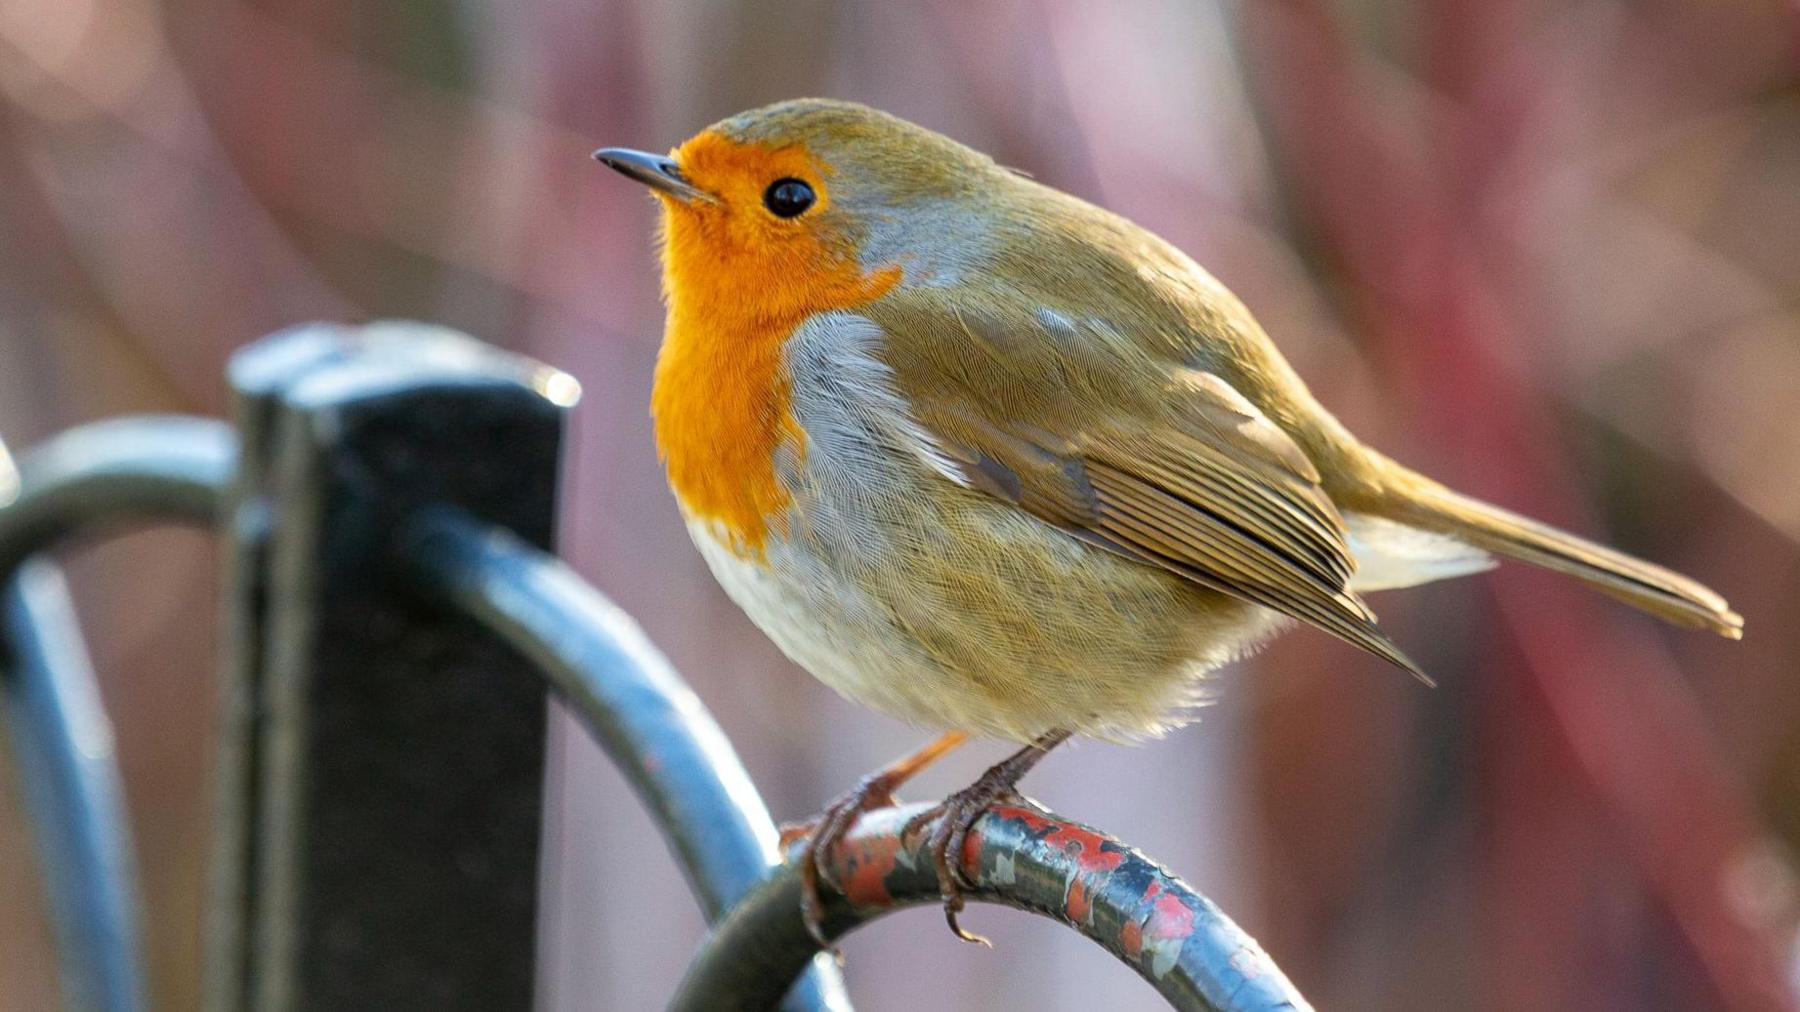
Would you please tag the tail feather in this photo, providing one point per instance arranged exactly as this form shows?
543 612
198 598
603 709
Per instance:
1661 592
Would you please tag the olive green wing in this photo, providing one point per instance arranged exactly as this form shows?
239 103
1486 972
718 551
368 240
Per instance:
1164 464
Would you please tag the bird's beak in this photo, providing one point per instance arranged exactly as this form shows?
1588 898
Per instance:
659 172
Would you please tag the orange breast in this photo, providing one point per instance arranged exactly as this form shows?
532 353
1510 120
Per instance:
722 401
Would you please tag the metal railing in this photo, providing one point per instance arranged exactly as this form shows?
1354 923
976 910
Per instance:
395 616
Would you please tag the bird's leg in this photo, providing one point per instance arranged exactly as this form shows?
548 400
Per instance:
837 820
959 811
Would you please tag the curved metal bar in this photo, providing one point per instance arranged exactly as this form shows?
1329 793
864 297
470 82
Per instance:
646 718
62 744
125 469
108 472
1176 939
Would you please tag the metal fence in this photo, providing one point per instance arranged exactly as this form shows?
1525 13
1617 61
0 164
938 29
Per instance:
395 619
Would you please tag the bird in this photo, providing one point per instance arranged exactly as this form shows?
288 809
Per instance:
1000 463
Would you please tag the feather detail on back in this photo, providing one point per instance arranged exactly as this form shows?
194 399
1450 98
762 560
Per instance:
1173 468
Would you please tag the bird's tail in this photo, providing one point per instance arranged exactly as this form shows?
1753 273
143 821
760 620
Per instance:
1416 501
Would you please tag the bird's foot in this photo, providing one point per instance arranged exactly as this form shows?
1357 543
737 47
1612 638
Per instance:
822 835
950 822
952 818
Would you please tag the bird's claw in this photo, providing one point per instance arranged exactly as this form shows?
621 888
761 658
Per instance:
791 833
950 823
822 836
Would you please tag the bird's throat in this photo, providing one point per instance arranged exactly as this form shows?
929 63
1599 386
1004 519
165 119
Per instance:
722 401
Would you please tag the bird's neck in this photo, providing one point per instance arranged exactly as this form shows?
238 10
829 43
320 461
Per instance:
722 402
721 405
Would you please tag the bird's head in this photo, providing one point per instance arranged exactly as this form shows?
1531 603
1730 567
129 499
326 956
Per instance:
804 205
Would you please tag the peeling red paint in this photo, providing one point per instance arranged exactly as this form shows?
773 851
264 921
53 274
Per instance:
1171 918
1087 847
1131 936
1032 819
1077 905
863 864
971 853
1131 939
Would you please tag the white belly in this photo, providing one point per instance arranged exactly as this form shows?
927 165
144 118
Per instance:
1106 648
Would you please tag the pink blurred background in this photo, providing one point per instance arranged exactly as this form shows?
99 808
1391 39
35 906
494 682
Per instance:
1548 251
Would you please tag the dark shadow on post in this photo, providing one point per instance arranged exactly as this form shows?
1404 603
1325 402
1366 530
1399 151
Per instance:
394 756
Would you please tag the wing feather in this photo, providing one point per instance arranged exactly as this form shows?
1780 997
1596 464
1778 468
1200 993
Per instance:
1154 460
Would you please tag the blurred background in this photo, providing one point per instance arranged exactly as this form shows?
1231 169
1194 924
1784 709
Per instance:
1547 250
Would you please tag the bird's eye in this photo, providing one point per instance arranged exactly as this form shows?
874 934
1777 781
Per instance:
786 198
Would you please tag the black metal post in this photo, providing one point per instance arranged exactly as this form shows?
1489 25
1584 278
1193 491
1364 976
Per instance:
396 754
258 374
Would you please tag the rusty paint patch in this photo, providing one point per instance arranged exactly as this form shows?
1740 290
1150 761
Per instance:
1171 918
1033 820
863 864
970 857
1093 853
1078 906
1131 939
1170 923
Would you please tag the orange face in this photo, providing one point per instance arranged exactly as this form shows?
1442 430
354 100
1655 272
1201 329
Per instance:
743 244
740 274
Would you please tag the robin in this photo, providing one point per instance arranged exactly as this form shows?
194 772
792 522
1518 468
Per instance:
995 461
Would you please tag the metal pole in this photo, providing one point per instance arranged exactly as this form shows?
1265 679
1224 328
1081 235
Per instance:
398 751
62 747
1026 858
97 476
652 725
140 470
